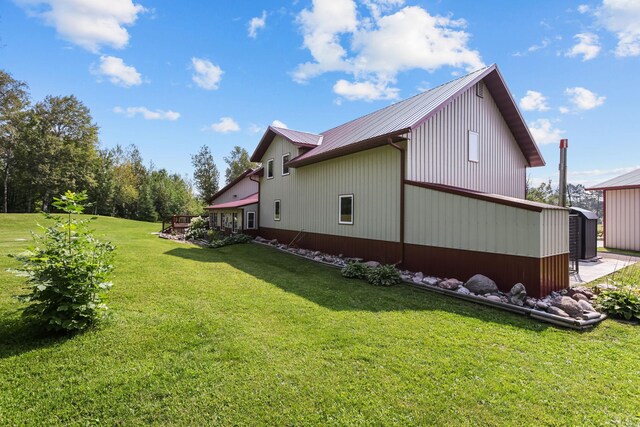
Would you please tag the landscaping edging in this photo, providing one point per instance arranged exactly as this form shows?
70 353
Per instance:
567 322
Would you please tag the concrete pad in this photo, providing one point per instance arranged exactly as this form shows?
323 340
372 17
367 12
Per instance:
606 264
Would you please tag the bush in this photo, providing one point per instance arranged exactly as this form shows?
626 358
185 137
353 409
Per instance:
231 240
67 271
197 228
383 275
622 302
355 270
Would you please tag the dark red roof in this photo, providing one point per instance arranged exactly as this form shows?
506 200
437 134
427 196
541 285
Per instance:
249 200
301 139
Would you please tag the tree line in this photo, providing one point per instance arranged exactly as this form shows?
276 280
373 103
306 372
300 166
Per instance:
577 196
52 146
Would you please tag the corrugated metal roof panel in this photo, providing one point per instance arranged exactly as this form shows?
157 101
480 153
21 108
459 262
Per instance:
630 179
249 200
298 137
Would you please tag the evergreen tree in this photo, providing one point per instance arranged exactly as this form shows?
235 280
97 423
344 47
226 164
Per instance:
205 174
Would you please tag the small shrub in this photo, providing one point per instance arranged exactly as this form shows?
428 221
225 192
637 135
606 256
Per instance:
384 275
355 270
213 235
622 302
197 228
66 271
231 240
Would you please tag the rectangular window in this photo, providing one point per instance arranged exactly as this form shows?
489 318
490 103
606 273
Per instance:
276 210
269 168
251 220
474 149
234 224
285 168
346 209
215 219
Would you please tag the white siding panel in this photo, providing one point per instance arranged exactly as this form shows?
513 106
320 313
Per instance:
435 218
242 189
438 149
623 219
554 232
309 195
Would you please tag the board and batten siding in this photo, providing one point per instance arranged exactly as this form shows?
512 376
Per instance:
622 222
240 190
438 150
440 219
309 195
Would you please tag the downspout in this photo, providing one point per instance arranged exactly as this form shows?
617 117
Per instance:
257 225
402 180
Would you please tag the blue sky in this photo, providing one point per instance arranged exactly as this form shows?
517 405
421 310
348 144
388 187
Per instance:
172 76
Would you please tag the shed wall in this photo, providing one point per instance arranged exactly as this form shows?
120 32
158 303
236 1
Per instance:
242 189
309 195
435 218
438 149
554 232
622 222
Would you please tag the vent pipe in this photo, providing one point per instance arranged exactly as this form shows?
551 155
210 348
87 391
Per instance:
562 189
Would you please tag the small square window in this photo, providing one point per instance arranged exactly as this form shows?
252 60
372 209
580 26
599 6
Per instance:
346 209
276 210
474 149
285 168
269 168
251 220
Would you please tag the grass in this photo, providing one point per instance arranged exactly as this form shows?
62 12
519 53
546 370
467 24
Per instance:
247 335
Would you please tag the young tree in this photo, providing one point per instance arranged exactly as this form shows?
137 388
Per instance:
238 162
205 174
14 99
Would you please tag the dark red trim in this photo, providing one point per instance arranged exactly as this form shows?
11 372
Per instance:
493 198
620 187
366 144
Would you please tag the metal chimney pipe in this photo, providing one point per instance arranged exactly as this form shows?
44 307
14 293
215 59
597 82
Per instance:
562 189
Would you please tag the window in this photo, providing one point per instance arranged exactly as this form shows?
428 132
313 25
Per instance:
269 168
234 224
276 210
346 209
251 220
474 149
214 224
285 168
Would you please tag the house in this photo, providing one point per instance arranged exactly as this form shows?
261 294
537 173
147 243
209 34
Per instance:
234 208
621 202
434 183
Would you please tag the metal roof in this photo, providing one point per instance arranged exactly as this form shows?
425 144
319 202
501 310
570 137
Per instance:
249 200
584 212
400 118
304 139
628 180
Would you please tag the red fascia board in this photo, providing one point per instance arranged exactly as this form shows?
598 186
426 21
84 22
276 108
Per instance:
493 198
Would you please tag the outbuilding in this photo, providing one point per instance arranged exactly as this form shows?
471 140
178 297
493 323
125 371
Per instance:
621 202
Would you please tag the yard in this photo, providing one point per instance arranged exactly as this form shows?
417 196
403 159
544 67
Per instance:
247 335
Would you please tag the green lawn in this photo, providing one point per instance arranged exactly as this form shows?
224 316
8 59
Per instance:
247 335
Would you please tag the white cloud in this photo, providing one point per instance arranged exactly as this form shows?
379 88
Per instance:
206 75
588 46
584 99
381 45
540 46
367 90
148 114
564 110
622 17
257 23
225 125
583 8
118 73
254 128
534 101
543 132
277 123
90 24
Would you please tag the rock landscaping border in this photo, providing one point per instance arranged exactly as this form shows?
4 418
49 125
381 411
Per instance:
570 308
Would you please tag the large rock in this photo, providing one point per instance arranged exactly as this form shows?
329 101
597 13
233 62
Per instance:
557 311
586 306
568 305
429 280
480 284
372 264
450 284
518 294
580 290
494 298
464 291
580 297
